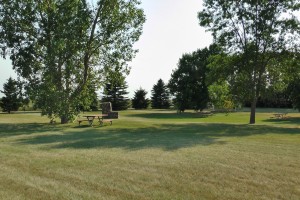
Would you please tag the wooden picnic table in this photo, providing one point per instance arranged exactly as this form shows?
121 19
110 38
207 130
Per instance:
280 115
91 118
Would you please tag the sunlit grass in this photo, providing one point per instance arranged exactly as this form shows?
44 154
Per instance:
152 154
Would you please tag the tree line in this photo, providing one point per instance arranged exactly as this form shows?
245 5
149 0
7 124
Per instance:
192 86
66 50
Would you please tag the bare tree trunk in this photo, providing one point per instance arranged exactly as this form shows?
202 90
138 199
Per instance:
253 109
64 120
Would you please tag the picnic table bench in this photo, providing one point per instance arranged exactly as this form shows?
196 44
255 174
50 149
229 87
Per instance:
107 115
82 120
91 118
280 115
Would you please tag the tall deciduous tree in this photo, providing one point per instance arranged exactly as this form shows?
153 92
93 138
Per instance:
13 97
188 81
294 90
160 95
292 77
256 32
62 46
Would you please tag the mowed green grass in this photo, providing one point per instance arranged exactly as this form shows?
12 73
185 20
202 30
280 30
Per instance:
152 154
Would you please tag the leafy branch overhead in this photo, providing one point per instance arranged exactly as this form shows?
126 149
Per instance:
63 47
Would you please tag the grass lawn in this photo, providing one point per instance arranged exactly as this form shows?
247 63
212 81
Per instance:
152 154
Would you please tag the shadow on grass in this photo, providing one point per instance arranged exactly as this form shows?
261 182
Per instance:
288 120
167 136
19 112
7 130
170 115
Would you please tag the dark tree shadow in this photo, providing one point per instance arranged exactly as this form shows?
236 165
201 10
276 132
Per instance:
7 130
169 115
287 120
167 136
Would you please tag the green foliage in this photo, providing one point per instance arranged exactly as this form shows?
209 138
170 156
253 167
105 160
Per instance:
188 81
89 99
220 96
291 78
160 95
294 90
95 103
63 47
223 70
253 34
13 96
115 91
139 100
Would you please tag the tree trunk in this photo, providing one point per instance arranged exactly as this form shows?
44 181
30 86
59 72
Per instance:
64 120
252 113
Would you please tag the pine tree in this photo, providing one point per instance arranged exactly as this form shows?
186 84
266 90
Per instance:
12 99
116 92
160 96
139 100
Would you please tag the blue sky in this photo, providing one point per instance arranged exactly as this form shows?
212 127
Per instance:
171 30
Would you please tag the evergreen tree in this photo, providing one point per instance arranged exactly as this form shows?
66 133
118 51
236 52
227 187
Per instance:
139 100
13 98
160 95
116 91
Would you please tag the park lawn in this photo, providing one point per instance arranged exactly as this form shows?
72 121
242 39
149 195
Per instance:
152 154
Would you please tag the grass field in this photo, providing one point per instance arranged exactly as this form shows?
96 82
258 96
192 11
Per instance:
152 154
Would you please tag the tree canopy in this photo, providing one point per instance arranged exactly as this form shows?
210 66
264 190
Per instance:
61 47
254 34
188 81
291 78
